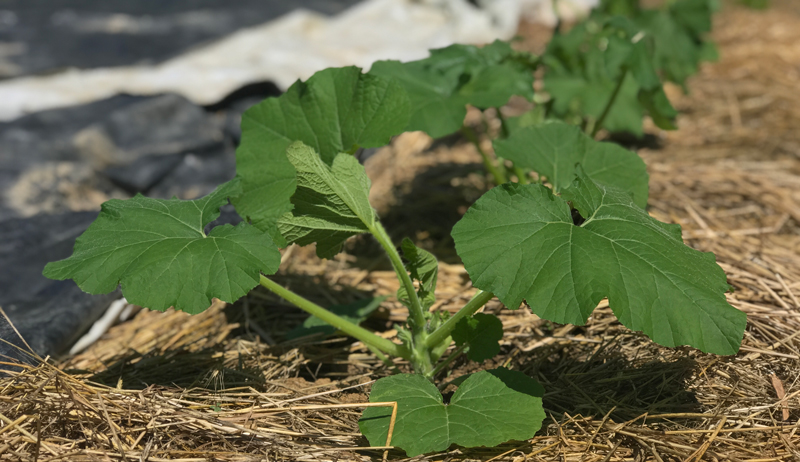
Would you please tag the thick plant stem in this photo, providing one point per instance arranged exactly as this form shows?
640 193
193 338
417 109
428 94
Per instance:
497 174
336 321
416 311
437 336
601 120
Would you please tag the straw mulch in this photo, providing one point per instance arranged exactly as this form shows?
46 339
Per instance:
224 385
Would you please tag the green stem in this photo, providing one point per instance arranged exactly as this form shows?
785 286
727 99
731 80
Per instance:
497 174
385 359
449 359
420 354
438 336
600 121
522 175
415 310
504 131
336 321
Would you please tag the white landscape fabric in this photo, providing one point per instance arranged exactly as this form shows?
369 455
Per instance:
290 48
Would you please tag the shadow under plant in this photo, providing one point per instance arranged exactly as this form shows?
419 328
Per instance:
244 344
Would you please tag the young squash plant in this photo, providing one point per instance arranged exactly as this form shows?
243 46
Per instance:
561 245
679 30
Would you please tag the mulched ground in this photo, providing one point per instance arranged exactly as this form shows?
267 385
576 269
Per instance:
168 386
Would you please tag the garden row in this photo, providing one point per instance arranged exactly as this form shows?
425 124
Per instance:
564 228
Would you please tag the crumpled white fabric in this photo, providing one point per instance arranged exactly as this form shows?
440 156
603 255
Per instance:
290 48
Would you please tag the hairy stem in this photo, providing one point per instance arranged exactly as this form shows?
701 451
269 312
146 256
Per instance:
416 311
600 121
336 321
440 334
497 174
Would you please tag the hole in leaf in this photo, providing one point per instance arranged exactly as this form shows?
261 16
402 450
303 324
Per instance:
446 397
577 219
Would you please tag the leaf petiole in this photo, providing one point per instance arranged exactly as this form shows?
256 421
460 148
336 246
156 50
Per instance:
601 120
488 163
439 335
416 311
336 321
455 354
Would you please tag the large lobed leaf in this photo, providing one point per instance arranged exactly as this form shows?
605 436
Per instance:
489 408
336 110
159 252
520 243
553 149
442 85
331 203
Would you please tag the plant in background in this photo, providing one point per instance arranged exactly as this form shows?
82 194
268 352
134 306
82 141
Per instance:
561 245
604 73
601 75
678 29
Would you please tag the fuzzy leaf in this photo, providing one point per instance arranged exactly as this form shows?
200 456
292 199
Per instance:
442 85
158 251
331 203
489 408
520 242
423 268
553 149
481 332
336 110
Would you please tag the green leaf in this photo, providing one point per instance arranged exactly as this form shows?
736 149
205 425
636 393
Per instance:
481 332
519 242
442 85
356 312
424 268
694 15
331 202
158 251
489 408
659 108
530 118
553 149
336 110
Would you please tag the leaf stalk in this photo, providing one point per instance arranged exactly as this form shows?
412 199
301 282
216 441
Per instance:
600 121
441 366
336 321
439 335
497 174
416 311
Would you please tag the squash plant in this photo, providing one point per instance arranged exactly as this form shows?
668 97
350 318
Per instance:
561 245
